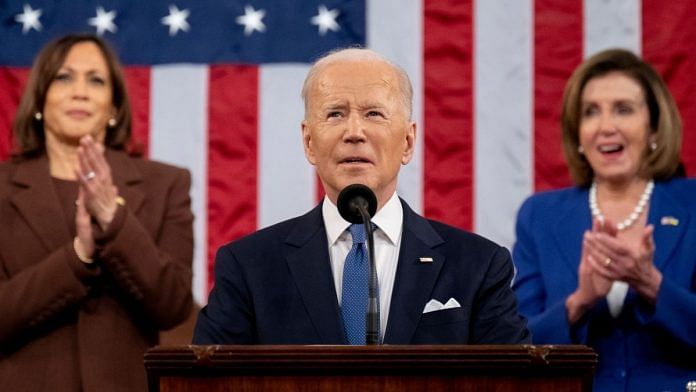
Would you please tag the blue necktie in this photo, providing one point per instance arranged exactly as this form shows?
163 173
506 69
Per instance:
354 296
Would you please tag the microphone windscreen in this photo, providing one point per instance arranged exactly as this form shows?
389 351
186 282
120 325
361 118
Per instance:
351 198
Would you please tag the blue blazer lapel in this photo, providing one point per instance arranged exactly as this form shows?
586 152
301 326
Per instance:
570 227
308 261
414 280
670 219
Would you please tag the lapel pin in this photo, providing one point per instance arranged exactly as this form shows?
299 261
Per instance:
425 259
669 221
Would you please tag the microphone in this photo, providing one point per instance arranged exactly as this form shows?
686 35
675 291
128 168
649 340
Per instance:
358 204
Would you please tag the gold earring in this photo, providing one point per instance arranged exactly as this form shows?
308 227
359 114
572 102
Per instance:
112 122
38 116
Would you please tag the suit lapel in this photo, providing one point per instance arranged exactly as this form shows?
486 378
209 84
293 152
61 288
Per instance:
308 261
670 219
570 227
38 203
414 280
127 178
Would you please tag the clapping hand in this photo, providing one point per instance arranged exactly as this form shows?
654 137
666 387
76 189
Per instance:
96 183
96 196
615 258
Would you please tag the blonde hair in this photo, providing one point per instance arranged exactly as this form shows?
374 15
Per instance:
665 122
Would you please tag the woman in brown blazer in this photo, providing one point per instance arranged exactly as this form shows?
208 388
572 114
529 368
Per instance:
95 245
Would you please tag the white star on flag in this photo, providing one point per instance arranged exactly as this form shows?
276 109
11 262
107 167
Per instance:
104 21
252 20
176 20
326 20
29 19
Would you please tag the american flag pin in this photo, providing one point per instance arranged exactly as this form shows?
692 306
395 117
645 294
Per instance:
669 221
425 259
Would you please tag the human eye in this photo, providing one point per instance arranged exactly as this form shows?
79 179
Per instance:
624 109
590 110
63 77
334 114
375 113
97 80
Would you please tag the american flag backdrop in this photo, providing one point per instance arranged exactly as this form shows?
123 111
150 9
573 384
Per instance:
215 84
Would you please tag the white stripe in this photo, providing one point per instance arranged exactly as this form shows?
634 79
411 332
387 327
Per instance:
611 24
395 29
503 137
179 135
286 180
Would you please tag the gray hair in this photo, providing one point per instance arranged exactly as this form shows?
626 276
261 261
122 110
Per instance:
359 55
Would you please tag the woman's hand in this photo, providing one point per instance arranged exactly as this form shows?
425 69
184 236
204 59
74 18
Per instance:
96 183
591 285
617 259
84 241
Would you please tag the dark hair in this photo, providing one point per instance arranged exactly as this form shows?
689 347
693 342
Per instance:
665 123
29 132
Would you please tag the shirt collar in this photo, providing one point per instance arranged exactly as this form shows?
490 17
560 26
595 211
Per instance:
389 219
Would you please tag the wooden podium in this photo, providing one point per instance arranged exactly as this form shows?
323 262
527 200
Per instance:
370 368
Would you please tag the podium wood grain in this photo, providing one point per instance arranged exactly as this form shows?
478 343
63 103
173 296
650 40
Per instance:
370 368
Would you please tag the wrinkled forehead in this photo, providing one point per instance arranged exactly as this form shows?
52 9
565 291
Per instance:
356 78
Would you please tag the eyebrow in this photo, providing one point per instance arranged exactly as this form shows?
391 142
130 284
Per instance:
89 71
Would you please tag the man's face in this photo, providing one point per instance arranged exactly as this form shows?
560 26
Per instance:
356 129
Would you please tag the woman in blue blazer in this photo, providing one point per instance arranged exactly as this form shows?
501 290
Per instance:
611 263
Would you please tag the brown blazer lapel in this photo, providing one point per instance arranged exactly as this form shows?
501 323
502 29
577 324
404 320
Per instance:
128 178
37 202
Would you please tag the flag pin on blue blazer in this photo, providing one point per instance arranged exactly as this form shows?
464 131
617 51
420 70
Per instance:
669 221
425 259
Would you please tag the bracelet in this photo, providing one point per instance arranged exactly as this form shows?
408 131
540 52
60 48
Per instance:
83 259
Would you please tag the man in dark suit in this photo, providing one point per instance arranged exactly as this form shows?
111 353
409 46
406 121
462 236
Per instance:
290 283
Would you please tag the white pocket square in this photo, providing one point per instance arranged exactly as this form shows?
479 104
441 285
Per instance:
434 305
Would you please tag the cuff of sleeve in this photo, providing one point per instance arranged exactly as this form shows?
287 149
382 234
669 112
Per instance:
645 311
81 270
103 236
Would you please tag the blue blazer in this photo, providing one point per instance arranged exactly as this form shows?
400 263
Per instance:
276 287
646 348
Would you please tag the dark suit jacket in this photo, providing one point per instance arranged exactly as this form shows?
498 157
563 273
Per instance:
647 348
276 287
66 326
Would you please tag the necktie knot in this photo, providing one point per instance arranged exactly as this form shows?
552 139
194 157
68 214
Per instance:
357 231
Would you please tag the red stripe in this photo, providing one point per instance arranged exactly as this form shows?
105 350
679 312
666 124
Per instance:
448 111
138 85
669 34
232 155
12 81
558 28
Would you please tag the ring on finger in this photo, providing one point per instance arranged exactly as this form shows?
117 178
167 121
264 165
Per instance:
607 261
90 176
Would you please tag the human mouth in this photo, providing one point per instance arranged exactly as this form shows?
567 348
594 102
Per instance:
355 160
78 114
610 149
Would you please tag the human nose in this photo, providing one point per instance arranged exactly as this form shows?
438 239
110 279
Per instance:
79 88
607 123
355 129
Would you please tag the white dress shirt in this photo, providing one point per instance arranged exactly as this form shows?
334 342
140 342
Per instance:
389 220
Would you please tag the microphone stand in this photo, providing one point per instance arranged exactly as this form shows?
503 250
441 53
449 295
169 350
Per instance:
372 315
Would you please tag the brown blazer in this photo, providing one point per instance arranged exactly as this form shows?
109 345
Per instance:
65 326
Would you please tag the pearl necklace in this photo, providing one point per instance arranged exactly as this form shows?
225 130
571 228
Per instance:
626 223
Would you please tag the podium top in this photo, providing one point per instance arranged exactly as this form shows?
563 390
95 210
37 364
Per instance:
418 359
